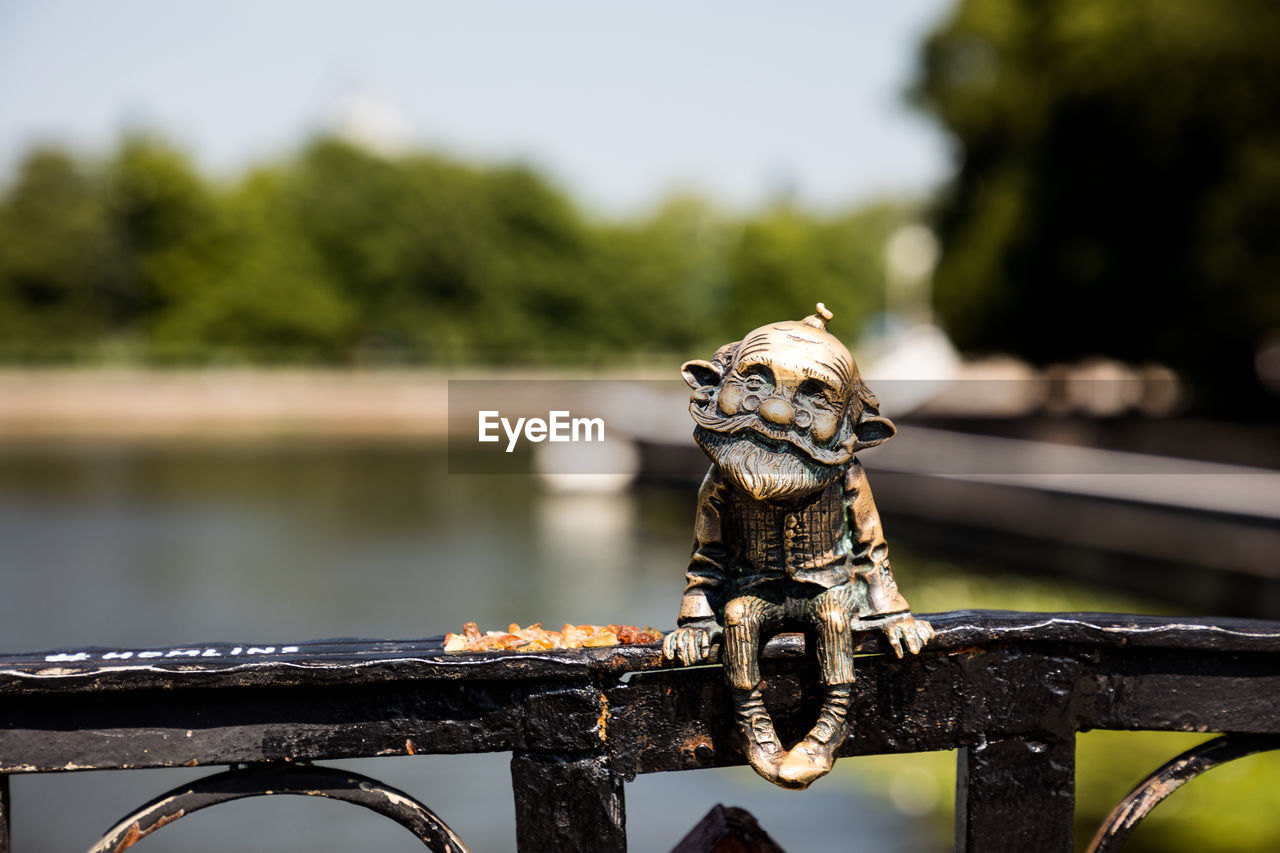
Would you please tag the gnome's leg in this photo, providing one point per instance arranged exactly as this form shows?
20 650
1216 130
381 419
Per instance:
831 612
743 620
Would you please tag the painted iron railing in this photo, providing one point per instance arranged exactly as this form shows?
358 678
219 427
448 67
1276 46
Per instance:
1008 690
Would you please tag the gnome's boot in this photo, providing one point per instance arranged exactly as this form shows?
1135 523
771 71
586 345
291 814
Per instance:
762 747
812 757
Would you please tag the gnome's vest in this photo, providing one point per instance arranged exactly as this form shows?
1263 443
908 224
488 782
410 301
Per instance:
807 540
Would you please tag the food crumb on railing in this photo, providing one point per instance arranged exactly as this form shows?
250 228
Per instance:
537 639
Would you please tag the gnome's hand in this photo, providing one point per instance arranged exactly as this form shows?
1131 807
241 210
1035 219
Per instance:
910 632
691 643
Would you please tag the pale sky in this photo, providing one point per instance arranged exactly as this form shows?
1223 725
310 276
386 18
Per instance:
620 103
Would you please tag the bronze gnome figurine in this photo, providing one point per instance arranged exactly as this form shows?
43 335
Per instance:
787 534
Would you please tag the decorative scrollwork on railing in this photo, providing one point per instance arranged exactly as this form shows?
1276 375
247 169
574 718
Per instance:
1153 790
268 780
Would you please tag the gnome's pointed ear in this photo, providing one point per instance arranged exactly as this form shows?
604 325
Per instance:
699 373
872 430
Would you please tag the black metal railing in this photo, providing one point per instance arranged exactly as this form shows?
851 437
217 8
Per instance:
1008 690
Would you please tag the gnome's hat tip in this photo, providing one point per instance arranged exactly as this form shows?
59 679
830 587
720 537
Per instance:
819 318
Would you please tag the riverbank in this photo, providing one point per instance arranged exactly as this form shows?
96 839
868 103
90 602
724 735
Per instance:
232 404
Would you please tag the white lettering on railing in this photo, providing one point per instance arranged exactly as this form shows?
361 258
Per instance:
204 652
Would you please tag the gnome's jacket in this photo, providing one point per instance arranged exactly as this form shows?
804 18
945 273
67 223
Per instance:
826 539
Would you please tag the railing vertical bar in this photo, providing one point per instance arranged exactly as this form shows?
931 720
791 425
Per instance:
567 802
1015 795
5 807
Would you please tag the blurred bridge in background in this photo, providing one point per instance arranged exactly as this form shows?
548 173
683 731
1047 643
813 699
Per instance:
1202 535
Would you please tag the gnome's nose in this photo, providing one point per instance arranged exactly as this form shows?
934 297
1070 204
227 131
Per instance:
778 411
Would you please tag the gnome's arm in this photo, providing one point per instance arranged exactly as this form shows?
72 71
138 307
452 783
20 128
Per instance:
870 556
705 582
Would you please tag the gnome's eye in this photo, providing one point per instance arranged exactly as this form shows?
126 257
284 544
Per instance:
819 392
757 378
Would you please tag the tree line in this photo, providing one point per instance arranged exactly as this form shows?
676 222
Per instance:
1116 193
336 255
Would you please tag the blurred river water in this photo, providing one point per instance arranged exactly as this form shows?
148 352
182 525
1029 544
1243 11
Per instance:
131 545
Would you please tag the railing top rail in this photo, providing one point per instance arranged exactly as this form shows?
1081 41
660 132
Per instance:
1009 690
355 661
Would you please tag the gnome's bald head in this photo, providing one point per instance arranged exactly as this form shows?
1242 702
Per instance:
782 411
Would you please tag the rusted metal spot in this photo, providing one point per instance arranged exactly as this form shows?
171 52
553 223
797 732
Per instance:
698 748
602 722
136 833
132 837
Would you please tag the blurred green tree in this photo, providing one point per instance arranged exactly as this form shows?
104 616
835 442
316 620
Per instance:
62 279
441 261
656 284
536 303
170 228
340 255
1118 184
266 298
787 259
403 242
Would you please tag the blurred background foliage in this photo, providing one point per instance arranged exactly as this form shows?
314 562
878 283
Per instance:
1118 183
340 256
1116 191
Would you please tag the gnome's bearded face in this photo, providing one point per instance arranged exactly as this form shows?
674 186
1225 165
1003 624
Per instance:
782 411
